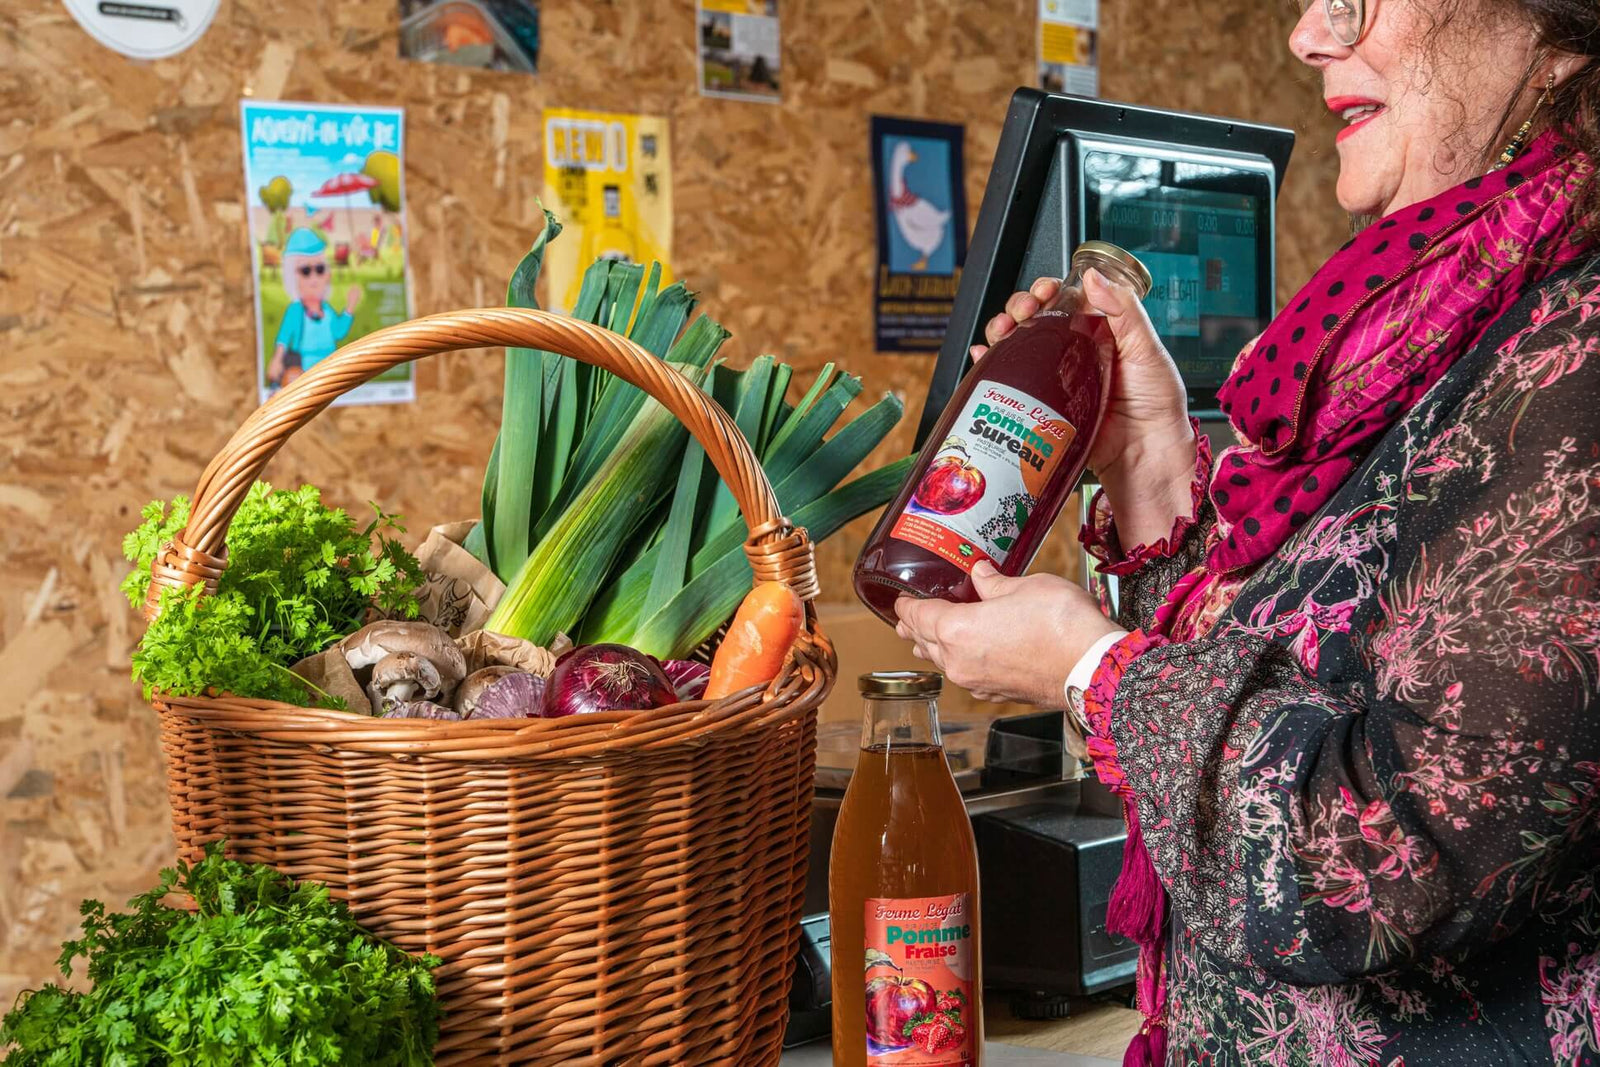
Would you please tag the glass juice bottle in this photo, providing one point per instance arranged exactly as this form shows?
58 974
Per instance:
903 892
1007 452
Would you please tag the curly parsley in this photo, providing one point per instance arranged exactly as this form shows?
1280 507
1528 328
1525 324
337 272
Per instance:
300 576
265 971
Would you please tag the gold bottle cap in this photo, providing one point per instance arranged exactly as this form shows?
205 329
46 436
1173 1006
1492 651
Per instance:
901 684
1106 252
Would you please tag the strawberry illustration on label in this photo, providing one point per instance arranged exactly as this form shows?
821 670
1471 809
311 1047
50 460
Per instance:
920 982
931 1036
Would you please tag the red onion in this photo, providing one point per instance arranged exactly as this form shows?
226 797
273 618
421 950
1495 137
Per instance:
605 678
688 677
516 696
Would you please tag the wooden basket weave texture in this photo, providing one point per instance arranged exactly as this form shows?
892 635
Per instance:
620 888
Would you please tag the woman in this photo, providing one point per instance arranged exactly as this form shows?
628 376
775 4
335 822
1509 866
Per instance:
311 330
1354 720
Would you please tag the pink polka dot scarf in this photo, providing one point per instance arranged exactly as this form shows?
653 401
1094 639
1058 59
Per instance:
1370 334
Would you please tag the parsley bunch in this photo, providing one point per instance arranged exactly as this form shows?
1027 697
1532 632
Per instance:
266 971
300 576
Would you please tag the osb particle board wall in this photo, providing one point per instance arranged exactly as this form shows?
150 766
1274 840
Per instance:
125 308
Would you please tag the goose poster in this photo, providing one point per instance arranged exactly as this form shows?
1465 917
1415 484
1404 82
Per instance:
919 197
325 191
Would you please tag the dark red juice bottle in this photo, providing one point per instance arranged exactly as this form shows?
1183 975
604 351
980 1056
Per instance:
1007 452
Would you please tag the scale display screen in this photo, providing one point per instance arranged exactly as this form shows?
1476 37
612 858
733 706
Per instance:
1202 229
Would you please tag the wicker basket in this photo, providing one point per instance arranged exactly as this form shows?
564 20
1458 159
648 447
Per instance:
620 888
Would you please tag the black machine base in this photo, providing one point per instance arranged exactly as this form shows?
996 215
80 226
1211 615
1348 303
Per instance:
1039 1006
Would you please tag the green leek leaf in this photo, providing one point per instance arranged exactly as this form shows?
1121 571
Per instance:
521 419
772 415
618 611
672 556
695 349
805 431
555 585
708 599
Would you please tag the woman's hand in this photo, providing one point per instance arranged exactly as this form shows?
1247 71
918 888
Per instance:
352 299
1145 452
1018 643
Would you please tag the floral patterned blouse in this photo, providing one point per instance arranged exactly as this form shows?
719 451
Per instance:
1370 777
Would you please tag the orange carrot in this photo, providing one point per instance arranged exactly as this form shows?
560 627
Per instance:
763 628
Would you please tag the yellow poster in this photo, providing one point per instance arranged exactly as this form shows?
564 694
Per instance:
608 178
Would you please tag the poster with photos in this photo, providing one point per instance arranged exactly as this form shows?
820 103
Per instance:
486 34
608 178
1069 46
738 49
325 186
920 202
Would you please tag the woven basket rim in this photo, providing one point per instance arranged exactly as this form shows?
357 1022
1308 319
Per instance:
807 678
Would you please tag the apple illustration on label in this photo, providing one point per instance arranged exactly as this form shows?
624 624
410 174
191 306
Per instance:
951 486
892 1002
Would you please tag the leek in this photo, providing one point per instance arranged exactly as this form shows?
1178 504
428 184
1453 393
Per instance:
554 586
709 599
600 514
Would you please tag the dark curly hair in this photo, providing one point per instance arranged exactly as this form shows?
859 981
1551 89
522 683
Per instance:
1570 27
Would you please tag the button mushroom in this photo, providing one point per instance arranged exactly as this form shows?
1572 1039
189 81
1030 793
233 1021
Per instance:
408 661
400 678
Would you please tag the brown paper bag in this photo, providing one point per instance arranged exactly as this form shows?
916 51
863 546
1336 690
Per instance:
328 671
484 649
460 592
458 595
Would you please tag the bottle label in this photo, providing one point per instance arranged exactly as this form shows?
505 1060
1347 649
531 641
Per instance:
920 988
986 478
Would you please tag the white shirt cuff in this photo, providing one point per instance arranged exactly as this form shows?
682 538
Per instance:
1082 675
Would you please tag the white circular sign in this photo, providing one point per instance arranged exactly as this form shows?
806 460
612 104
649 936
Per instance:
144 29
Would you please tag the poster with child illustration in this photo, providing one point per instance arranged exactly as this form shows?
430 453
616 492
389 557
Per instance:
327 237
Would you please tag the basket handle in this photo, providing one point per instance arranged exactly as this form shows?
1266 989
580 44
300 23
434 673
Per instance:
776 548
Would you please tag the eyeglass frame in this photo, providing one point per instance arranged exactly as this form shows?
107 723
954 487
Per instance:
1361 20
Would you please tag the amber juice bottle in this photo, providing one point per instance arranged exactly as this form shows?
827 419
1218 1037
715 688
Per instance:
903 893
1007 452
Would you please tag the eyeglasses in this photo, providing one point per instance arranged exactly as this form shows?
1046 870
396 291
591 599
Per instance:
309 269
1347 20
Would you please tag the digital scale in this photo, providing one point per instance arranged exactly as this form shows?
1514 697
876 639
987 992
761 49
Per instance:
1194 198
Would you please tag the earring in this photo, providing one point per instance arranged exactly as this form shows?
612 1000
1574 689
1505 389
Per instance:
1518 141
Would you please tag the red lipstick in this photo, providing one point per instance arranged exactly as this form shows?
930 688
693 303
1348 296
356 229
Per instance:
1340 104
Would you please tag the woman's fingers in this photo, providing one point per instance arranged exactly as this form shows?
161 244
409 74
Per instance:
1130 323
1021 307
998 327
1044 290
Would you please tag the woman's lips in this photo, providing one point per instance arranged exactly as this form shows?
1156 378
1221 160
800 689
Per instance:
1340 104
1354 126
